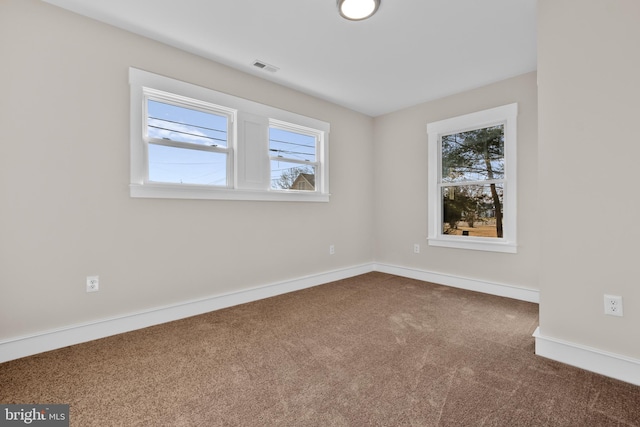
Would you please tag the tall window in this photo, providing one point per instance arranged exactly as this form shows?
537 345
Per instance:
191 142
472 180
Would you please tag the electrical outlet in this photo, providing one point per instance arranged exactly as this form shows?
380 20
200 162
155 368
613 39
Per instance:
332 249
613 305
93 283
416 248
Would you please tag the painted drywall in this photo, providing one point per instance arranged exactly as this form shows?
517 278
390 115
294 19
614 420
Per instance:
400 158
589 148
64 184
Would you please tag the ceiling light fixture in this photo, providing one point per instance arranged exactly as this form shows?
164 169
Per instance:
357 10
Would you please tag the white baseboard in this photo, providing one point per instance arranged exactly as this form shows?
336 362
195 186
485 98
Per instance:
591 359
15 348
523 294
608 364
23 346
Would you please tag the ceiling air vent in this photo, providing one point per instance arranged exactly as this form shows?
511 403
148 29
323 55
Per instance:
264 66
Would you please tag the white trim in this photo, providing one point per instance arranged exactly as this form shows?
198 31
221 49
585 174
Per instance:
509 291
474 244
178 191
601 362
140 78
605 363
18 347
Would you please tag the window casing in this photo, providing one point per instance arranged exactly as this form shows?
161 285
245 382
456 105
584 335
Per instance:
195 143
472 181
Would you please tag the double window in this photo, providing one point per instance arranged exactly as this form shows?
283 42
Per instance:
472 180
191 142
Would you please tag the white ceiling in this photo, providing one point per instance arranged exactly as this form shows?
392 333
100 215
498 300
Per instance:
410 52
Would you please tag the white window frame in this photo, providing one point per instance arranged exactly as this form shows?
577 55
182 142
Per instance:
192 104
504 115
317 165
248 164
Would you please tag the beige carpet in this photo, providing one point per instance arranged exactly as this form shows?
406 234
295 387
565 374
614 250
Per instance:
374 350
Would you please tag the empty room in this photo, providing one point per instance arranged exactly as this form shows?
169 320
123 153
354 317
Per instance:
322 213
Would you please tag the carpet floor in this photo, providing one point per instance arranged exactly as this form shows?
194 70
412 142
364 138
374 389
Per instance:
372 350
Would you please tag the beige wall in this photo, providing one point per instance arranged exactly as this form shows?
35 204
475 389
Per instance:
64 174
589 63
400 164
65 210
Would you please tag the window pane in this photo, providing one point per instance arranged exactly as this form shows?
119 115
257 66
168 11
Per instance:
167 121
184 166
473 210
292 145
292 176
475 155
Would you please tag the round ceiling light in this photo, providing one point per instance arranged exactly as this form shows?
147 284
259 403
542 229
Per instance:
357 10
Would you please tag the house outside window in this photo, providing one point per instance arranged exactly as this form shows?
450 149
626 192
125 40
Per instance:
293 156
472 181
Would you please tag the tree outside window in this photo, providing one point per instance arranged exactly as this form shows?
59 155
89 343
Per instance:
472 180
472 175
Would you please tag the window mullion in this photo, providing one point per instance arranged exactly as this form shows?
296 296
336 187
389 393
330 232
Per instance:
186 145
461 183
290 160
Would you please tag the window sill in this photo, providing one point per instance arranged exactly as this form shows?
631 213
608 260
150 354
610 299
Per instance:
163 191
473 244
